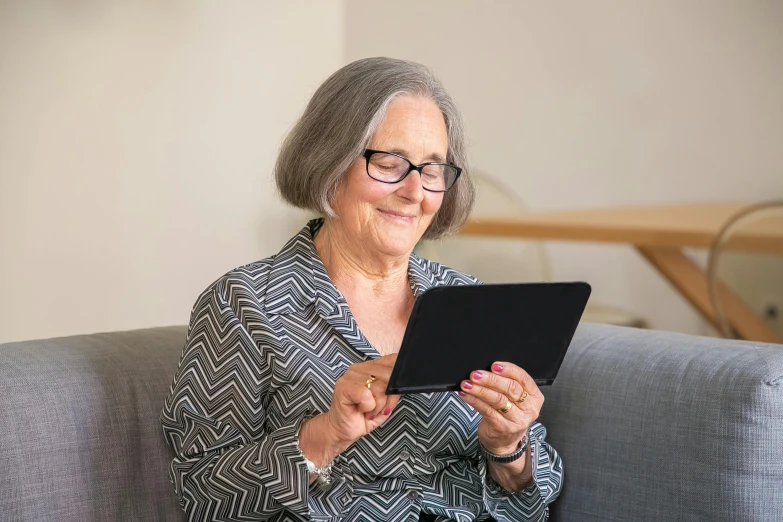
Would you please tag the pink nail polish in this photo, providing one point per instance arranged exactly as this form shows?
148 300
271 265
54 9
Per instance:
387 411
497 367
477 375
461 394
372 418
467 385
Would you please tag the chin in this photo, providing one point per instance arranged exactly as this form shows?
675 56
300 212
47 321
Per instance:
396 246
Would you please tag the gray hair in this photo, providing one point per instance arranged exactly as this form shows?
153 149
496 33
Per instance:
337 127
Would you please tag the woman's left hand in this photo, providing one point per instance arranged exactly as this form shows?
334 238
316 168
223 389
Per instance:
489 392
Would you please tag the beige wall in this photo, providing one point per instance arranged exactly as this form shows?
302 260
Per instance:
136 146
582 104
137 138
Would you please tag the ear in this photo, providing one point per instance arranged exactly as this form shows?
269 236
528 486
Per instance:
336 194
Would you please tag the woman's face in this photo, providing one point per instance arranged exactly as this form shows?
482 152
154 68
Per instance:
391 218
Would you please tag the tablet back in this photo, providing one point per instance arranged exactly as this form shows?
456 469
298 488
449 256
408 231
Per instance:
457 329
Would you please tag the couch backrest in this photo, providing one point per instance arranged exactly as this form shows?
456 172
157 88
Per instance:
650 425
662 426
80 438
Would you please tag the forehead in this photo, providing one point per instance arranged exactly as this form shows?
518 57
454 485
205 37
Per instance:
412 125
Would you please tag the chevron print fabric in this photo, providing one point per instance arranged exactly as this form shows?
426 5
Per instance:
266 344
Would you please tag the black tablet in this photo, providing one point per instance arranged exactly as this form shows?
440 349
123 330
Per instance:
454 330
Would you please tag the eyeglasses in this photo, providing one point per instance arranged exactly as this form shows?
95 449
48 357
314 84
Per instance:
388 167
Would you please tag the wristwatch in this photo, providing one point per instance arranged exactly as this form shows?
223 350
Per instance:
505 459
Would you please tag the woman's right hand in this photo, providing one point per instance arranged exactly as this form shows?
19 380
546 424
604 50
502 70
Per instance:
356 410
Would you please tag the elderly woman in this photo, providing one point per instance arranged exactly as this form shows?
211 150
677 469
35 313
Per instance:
278 409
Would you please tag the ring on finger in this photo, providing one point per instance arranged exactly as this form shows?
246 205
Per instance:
371 380
522 397
506 408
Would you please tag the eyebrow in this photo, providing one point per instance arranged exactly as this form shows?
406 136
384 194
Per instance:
434 157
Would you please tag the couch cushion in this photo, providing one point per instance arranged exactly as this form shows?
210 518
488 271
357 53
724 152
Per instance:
80 437
663 426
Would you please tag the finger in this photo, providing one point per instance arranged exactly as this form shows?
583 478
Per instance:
384 404
373 382
527 397
376 382
362 371
495 400
386 409
374 387
374 376
380 407
503 384
391 403
387 360
488 410
481 386
516 373
360 397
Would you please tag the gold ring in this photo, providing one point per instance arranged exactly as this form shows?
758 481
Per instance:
507 407
523 396
371 380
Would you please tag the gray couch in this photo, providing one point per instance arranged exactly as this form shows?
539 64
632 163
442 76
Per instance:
651 426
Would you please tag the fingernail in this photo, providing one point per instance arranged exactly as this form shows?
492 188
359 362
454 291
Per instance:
497 367
372 418
467 385
477 375
387 411
461 394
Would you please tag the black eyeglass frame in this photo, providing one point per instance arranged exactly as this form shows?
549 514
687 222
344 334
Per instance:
411 167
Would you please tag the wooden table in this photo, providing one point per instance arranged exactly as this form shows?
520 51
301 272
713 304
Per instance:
659 233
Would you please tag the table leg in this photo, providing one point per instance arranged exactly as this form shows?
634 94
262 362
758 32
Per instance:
691 281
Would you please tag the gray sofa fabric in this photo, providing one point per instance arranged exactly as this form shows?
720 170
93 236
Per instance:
661 426
80 438
651 426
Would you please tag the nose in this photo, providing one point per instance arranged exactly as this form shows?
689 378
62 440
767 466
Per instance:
411 187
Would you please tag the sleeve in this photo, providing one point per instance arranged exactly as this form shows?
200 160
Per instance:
226 467
531 504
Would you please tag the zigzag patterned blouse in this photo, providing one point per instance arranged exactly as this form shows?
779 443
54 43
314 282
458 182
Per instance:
265 345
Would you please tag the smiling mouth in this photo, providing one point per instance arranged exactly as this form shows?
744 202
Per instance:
397 215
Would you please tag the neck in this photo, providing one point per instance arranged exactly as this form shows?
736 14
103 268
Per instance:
356 269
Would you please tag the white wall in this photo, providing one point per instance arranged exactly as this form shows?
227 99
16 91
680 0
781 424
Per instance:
585 104
136 145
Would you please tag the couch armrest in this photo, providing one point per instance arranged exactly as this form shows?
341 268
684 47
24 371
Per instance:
654 425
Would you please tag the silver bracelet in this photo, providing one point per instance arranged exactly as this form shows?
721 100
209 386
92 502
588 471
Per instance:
323 476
